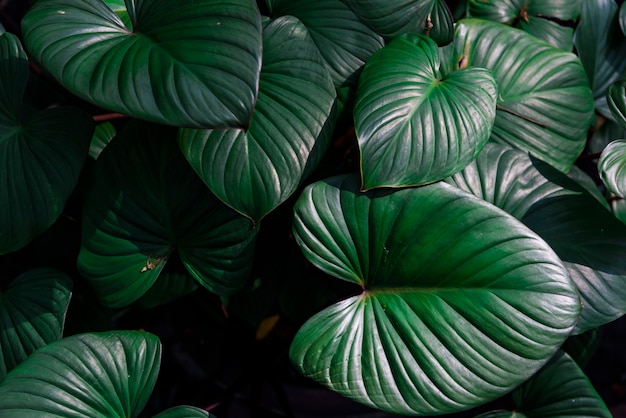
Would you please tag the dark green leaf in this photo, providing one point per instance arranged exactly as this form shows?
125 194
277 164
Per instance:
145 203
601 46
186 63
622 18
255 170
582 232
612 167
605 133
184 412
107 374
457 303
102 136
544 104
41 154
393 18
166 288
343 40
582 347
616 99
413 126
32 314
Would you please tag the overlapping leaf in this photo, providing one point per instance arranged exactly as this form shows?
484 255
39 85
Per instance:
601 46
103 134
413 126
544 104
343 40
90 375
41 154
185 63
616 99
583 233
184 412
255 170
545 19
612 167
32 314
145 203
458 302
391 19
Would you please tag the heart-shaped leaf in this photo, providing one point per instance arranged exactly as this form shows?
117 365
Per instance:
544 104
107 374
601 46
545 19
343 40
616 99
391 19
255 170
458 302
32 314
612 167
413 126
185 63
41 154
145 203
587 238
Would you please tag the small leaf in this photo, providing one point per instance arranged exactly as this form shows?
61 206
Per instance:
612 167
616 99
457 302
413 126
32 314
102 136
179 59
109 374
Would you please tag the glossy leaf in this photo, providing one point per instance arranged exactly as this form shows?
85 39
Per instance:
616 99
107 374
601 46
343 40
102 136
185 63
457 302
391 19
413 126
255 170
41 154
544 102
544 19
184 412
145 203
583 233
612 167
32 314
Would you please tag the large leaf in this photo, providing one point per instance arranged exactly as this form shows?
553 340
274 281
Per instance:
107 374
189 63
545 19
413 126
612 167
544 101
457 302
145 203
41 154
254 170
616 99
559 390
582 231
393 18
601 46
343 40
32 314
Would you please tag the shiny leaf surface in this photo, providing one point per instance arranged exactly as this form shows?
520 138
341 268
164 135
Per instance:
616 99
612 167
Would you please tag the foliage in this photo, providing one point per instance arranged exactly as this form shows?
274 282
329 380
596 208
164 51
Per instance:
393 193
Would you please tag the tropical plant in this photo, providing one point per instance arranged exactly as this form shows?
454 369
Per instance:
393 193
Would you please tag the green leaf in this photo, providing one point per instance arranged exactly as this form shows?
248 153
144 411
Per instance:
612 167
413 126
601 46
255 170
166 288
544 101
108 374
145 203
41 154
185 63
583 233
32 314
582 347
622 18
343 40
184 412
391 19
102 136
604 134
457 303
544 19
616 99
